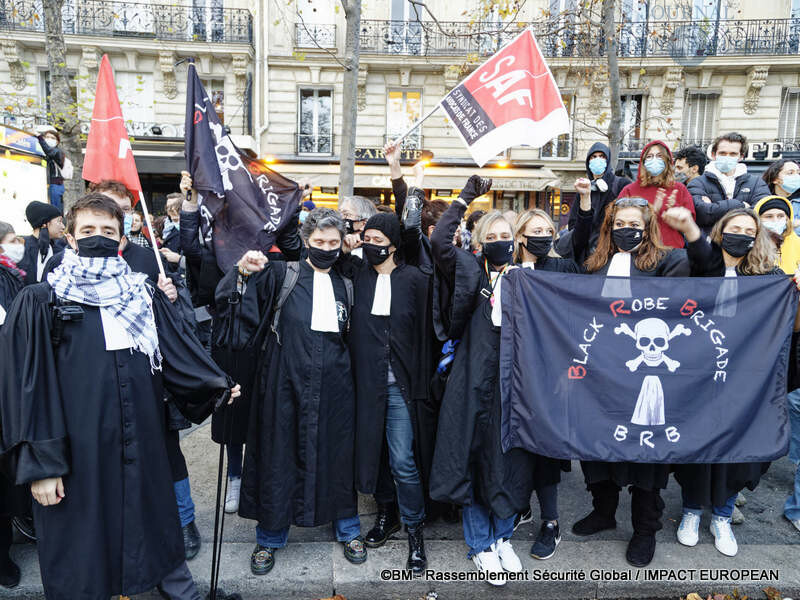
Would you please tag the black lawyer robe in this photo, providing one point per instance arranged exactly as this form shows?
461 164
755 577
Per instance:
30 260
298 465
469 464
402 339
647 476
96 418
713 484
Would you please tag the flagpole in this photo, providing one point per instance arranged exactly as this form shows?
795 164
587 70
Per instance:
416 125
149 224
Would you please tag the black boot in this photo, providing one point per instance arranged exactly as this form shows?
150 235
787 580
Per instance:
9 573
387 522
191 540
641 549
417 561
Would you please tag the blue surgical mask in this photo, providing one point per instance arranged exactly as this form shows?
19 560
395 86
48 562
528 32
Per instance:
126 223
791 183
655 166
778 226
598 165
726 164
303 215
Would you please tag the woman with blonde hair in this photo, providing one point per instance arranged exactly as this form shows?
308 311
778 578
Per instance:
739 245
629 246
469 466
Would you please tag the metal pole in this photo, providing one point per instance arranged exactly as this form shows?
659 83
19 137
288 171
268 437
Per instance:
416 125
152 232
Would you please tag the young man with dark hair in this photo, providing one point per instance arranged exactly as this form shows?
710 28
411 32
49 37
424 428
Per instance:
86 355
690 163
725 184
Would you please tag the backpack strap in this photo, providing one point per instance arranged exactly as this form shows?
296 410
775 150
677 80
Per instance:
289 281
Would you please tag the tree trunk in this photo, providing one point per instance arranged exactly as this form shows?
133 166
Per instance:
63 113
352 51
615 123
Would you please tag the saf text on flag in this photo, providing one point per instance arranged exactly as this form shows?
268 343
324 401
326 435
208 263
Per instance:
510 100
672 373
243 203
108 149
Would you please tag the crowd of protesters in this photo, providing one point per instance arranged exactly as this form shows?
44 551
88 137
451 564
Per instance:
359 354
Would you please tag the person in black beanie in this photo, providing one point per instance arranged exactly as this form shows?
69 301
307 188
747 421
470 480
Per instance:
391 348
46 240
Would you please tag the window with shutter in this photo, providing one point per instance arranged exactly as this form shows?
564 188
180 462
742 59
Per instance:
789 120
698 121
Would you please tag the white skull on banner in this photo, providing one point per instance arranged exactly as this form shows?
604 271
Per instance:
227 156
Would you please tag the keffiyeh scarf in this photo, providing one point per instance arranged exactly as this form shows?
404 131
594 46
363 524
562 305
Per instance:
109 284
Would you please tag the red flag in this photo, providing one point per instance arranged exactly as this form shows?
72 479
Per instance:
510 100
108 149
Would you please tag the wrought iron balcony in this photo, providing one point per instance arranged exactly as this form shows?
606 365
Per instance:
314 143
308 35
682 40
107 18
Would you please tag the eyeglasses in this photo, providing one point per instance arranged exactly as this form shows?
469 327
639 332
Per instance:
631 201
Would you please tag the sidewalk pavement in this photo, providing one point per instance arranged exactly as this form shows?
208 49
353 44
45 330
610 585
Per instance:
312 566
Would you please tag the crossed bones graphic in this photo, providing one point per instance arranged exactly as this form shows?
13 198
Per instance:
652 339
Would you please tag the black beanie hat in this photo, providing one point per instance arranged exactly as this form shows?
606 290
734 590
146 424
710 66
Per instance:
39 213
774 203
388 224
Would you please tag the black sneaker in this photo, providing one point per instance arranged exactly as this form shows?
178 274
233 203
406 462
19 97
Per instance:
545 545
641 549
262 560
355 551
593 523
10 574
191 540
522 518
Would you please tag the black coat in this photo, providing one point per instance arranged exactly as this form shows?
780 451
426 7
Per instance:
749 188
647 476
600 200
469 464
713 484
30 259
96 418
402 339
299 463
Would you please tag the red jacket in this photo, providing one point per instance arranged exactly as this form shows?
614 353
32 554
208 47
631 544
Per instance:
669 236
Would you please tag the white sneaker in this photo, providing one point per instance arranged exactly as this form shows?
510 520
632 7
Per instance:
689 529
232 497
741 500
508 558
724 539
489 562
795 522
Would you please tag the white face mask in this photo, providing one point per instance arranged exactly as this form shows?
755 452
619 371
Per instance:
14 251
52 141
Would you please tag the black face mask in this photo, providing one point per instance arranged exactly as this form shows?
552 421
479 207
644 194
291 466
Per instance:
349 225
627 238
375 254
499 252
538 245
97 246
323 259
737 244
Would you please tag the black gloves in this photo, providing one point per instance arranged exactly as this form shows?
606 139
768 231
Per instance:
475 186
412 212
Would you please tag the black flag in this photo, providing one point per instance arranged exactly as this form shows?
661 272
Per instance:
243 203
662 375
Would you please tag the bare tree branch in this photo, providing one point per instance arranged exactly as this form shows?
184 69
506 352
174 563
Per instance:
421 4
313 38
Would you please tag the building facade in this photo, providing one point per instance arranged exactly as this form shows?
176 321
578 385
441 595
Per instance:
145 43
689 70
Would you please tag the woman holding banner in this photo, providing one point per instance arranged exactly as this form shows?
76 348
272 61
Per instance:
469 467
740 245
629 246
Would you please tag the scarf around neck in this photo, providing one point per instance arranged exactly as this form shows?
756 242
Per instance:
110 285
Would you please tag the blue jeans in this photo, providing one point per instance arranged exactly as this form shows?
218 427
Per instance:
234 460
726 510
346 529
183 496
400 442
55 192
792 507
482 528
